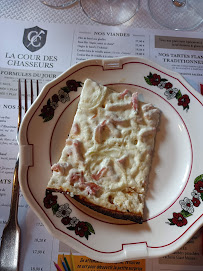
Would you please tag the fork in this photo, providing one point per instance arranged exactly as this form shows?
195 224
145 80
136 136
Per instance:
10 243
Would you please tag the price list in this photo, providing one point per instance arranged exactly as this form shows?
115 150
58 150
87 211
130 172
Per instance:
108 43
140 45
39 248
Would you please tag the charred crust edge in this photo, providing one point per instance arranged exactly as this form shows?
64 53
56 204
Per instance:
108 212
112 213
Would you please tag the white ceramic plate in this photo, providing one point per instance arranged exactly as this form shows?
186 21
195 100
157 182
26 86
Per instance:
174 203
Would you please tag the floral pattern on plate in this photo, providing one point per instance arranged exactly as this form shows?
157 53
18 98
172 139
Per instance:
47 111
188 205
169 91
81 228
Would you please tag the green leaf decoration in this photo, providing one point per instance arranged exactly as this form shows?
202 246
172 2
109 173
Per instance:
87 235
185 213
80 83
178 95
65 89
198 178
48 118
71 228
90 228
163 80
148 81
49 102
52 103
170 220
186 107
55 208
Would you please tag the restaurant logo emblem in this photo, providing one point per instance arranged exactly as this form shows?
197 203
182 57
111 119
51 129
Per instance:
34 38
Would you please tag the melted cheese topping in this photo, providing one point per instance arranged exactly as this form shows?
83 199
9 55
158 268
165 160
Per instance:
108 154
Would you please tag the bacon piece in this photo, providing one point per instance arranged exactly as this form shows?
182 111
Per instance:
74 148
94 116
122 94
123 160
121 122
82 180
99 174
92 188
114 131
61 167
76 177
55 167
135 101
77 150
75 129
98 132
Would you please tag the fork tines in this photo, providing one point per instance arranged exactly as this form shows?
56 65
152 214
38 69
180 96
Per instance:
26 95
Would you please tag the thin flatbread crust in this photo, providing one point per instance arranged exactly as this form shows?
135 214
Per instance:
107 157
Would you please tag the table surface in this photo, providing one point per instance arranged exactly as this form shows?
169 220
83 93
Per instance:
33 10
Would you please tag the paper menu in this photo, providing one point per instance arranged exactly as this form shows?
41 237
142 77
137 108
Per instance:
43 51
36 243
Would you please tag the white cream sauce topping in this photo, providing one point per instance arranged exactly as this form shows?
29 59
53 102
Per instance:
108 154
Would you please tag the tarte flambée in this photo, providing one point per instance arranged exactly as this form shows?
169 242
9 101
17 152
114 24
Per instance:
107 157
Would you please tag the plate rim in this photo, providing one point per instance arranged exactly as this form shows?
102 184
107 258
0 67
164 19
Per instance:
61 78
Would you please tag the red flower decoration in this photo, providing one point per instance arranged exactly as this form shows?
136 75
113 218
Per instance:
199 186
179 220
155 79
49 201
168 85
55 98
46 111
66 220
73 85
184 101
81 228
196 202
